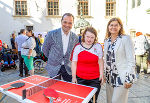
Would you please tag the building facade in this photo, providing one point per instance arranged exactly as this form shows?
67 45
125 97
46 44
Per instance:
138 16
45 15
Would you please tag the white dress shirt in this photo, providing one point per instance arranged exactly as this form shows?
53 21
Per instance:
65 40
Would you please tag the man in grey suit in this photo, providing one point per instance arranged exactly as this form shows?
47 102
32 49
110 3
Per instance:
58 46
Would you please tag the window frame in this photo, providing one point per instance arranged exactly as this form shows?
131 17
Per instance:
110 9
29 27
138 3
132 33
26 8
84 11
58 12
133 4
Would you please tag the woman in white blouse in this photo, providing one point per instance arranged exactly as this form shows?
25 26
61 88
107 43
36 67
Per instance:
119 62
28 53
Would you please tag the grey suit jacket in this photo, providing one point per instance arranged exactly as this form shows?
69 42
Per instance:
53 50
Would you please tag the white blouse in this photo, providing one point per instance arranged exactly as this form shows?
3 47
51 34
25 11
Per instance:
28 44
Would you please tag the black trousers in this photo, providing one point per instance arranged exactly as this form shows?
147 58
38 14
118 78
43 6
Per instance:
92 83
64 74
22 65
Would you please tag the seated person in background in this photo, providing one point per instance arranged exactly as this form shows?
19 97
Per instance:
6 54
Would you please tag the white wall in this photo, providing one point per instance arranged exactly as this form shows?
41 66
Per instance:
138 18
37 19
42 23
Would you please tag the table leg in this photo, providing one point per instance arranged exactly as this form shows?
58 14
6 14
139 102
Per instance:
2 96
94 98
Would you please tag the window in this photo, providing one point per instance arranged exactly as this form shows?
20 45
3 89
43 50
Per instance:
83 7
132 33
21 7
29 27
110 7
138 2
53 7
133 3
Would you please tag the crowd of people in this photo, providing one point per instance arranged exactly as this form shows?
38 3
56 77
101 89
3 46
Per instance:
83 60
142 50
23 49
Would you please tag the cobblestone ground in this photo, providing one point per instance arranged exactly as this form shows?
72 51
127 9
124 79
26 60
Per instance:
139 93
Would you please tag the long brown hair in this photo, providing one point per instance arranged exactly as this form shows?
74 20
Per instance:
121 31
92 30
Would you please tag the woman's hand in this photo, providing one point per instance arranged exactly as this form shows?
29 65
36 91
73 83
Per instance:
104 79
127 85
74 80
101 78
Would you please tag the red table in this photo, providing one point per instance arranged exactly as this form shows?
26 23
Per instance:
68 92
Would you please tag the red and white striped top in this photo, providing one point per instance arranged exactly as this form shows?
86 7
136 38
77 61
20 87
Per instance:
87 60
